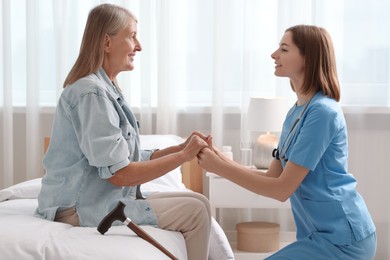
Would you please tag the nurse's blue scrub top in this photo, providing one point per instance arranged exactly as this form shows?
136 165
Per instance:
94 135
326 202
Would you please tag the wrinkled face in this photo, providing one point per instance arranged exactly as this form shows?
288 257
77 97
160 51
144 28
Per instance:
289 62
120 49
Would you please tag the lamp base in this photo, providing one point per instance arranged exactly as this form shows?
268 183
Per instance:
262 151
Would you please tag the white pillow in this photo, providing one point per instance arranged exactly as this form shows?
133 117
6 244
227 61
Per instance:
171 181
24 190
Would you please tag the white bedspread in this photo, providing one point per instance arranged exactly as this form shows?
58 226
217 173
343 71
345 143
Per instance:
23 236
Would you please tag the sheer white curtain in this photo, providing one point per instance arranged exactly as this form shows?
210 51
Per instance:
205 57
6 116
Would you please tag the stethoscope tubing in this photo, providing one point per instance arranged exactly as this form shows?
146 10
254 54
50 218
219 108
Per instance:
280 153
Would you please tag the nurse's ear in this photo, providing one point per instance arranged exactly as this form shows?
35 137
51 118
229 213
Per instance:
107 43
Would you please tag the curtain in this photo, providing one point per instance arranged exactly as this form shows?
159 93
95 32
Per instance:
6 115
201 62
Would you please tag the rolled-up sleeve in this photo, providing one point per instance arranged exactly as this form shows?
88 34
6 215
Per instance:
97 126
146 154
108 172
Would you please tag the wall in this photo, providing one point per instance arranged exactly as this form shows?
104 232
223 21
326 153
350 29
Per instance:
369 141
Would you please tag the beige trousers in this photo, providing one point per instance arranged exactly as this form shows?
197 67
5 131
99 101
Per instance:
188 213
68 216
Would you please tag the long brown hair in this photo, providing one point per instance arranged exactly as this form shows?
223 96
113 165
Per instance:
315 44
103 19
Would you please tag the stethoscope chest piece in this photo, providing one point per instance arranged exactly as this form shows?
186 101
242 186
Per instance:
280 154
275 154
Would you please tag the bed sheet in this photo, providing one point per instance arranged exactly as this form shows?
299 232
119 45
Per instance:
23 236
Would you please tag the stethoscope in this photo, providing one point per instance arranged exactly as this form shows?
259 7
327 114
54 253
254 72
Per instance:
280 154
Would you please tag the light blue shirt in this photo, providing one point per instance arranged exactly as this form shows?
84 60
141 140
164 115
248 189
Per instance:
326 202
94 135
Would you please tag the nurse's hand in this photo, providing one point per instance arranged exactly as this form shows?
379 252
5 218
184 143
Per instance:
193 145
210 159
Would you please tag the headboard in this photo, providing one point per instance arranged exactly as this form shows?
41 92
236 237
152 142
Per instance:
192 174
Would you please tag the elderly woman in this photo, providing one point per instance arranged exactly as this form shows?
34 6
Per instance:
94 159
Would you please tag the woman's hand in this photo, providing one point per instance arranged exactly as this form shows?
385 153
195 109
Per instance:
209 158
195 133
193 145
179 148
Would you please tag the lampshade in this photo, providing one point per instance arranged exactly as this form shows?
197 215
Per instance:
266 114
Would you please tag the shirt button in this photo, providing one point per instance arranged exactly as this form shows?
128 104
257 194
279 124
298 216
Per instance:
147 209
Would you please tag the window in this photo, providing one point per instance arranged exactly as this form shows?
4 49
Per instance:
201 50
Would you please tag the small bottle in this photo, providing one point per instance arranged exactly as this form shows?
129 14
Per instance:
227 151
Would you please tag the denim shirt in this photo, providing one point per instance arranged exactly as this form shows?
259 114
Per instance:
94 135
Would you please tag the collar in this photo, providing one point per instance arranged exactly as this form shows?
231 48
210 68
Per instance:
102 75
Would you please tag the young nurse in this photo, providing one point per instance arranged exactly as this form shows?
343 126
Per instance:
311 162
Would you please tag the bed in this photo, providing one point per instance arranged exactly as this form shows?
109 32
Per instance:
23 236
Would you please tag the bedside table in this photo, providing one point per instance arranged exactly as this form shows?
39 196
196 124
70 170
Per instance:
226 194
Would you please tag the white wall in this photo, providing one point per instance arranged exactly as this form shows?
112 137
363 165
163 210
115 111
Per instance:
369 142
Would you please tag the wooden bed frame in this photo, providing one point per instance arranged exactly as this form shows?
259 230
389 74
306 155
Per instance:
192 174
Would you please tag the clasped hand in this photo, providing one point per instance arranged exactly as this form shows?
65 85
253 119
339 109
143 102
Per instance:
201 146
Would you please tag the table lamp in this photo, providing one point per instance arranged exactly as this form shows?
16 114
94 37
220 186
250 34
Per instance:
265 115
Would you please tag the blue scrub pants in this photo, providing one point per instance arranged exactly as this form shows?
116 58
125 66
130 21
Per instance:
317 247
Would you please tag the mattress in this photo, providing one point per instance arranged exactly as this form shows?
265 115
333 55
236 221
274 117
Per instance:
24 236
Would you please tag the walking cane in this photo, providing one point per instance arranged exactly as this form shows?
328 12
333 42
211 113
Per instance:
118 214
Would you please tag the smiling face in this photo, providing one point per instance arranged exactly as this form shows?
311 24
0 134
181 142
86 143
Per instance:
288 59
120 50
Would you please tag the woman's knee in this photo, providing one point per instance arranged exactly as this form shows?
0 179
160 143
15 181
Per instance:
204 200
194 195
199 209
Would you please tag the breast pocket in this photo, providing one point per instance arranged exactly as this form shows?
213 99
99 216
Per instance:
129 134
